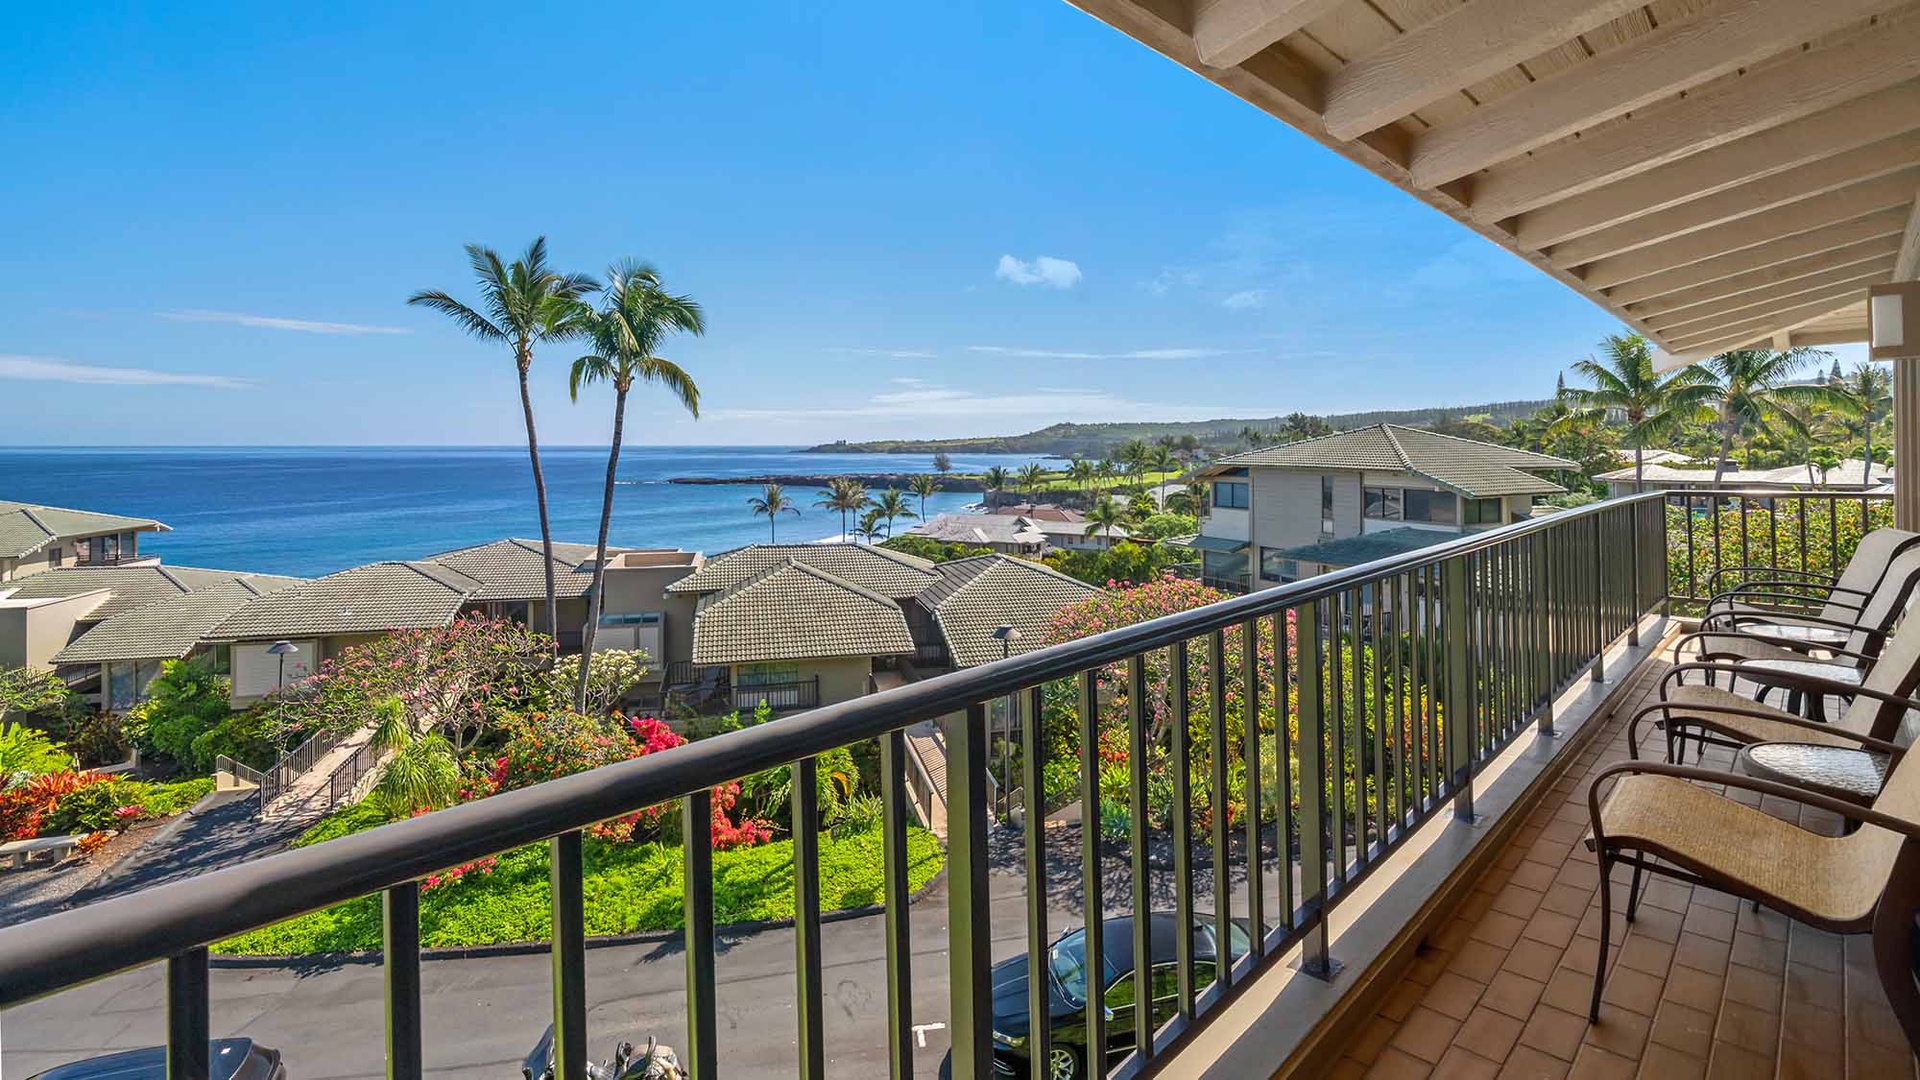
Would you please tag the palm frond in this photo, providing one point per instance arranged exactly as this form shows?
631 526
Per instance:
470 320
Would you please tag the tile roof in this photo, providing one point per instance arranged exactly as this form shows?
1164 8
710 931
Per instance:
27 527
1003 529
362 600
1354 550
888 573
1475 469
134 586
163 630
511 569
797 611
975 596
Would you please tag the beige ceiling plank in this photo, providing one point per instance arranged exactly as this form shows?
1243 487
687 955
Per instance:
1735 203
1883 224
1807 215
1817 338
1791 292
1711 116
1226 33
1765 326
1676 57
1814 138
1907 266
1881 249
1452 52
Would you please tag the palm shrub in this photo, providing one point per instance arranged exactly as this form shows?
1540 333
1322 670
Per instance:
421 773
26 752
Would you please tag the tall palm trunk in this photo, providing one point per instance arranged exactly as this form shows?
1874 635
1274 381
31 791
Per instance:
1726 451
539 496
1866 455
600 552
1639 468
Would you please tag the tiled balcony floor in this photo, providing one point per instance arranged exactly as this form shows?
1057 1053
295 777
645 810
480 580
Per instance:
1702 986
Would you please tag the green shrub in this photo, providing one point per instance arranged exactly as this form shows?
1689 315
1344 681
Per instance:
26 751
185 701
926 547
250 737
103 805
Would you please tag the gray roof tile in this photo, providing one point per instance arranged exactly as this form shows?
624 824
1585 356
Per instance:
1475 469
796 611
512 569
134 586
975 596
27 527
362 600
888 573
164 630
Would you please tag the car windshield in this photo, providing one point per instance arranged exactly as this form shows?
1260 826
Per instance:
1068 959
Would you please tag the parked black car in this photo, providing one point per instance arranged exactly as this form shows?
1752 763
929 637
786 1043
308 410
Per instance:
1067 976
233 1059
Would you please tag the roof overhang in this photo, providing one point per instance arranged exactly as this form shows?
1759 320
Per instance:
1734 174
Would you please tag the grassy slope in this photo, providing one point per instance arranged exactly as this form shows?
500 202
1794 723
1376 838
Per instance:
629 888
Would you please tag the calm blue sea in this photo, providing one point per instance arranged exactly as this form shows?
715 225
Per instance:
310 511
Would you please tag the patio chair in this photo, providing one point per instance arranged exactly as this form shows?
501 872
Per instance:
1808 606
1760 657
1867 881
1719 717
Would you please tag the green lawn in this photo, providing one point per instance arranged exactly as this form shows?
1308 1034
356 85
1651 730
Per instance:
629 888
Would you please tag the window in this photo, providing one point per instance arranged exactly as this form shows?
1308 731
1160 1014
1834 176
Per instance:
1274 566
1381 503
643 618
766 674
1483 511
1326 498
1435 507
1230 495
56 556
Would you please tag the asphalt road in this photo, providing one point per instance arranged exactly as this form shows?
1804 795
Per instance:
483 1015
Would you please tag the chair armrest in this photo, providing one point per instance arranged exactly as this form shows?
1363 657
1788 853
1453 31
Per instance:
1784 618
1681 642
1819 576
1850 811
1867 742
1775 584
1780 599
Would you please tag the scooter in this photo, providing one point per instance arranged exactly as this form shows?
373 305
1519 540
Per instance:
656 1062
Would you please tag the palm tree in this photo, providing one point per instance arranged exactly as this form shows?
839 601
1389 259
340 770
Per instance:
1750 390
846 495
1253 437
636 314
1032 479
994 480
1871 389
1162 460
891 504
1103 516
1655 405
923 485
1081 472
772 501
522 304
1107 469
869 525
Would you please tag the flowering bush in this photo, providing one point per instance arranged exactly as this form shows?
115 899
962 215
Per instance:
25 807
482 866
612 674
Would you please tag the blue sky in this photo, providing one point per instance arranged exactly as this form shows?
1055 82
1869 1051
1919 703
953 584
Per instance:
903 220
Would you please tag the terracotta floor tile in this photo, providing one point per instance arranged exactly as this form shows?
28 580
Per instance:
1532 959
1665 1063
1555 1031
1517 901
1642 953
1630 989
1765 954
1596 1064
1694 988
1704 953
1569 990
1689 1031
1427 966
1426 1034
1658 924
1730 1062
1810 986
1619 1032
1478 961
1753 1029
1708 922
1489 1034
1526 1063
1453 996
1749 986
1798 1061
1463 1064
1815 949
1878 1063
1394 1064
1533 875
1499 929
1347 1069
1822 1030
1571 900
1401 1000
1513 994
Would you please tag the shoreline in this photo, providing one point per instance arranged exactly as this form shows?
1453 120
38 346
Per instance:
821 480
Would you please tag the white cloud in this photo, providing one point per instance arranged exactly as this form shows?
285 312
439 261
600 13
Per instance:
1043 270
1245 299
1065 354
272 322
936 402
47 369
896 354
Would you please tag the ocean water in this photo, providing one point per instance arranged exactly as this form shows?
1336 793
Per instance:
314 510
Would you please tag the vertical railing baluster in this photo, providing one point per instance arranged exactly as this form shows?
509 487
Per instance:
1430 684
1457 623
969 930
1396 700
1336 721
1599 605
1137 768
893 797
1356 684
1092 874
1250 713
569 954
1217 769
806 919
696 840
1541 569
1309 693
189 1041
1283 815
1180 760
1033 807
400 964
1379 719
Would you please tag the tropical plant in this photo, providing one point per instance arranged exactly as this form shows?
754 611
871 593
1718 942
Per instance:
1655 406
942 464
1134 455
24 690
772 502
994 480
1162 460
185 701
923 485
26 751
1082 472
868 528
422 772
1032 478
614 674
522 304
1102 516
1752 390
892 504
1870 388
1252 437
636 315
846 495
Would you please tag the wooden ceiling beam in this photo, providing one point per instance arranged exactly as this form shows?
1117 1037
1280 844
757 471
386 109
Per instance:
1883 224
1883 55
1733 334
1805 141
1797 291
1807 215
1816 338
1735 203
1468 44
1226 33
1907 265
1851 255
1677 56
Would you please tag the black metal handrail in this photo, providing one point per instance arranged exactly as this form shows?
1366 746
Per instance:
293 765
1470 641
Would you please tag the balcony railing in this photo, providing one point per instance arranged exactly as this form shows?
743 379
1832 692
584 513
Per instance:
1719 539
782 696
1363 740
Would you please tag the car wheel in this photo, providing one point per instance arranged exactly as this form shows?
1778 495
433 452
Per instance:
1063 1063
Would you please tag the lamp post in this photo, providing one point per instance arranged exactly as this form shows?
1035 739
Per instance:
1006 635
282 649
